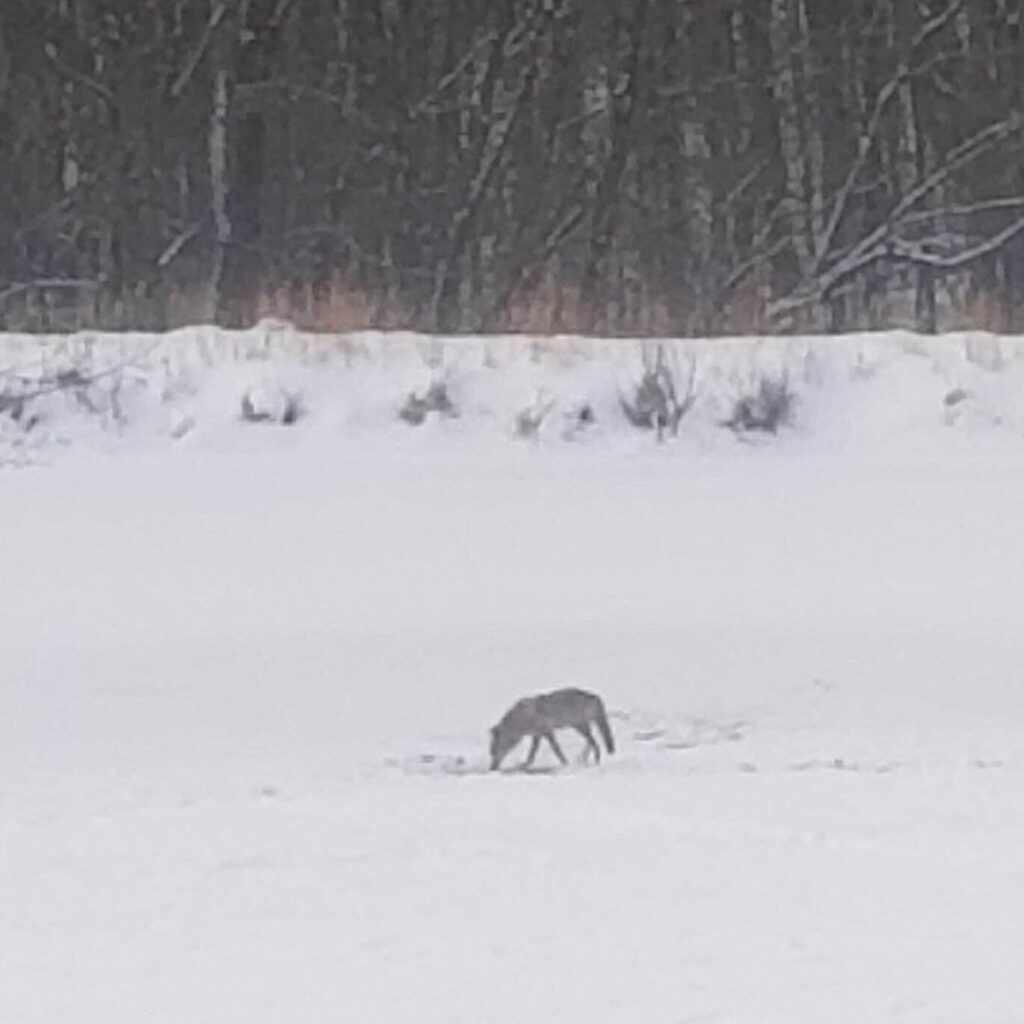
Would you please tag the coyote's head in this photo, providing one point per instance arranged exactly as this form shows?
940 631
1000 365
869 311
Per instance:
503 739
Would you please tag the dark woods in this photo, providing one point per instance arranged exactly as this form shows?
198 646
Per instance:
639 166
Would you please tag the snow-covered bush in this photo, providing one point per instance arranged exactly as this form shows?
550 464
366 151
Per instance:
767 409
657 402
578 420
436 399
271 405
531 419
25 401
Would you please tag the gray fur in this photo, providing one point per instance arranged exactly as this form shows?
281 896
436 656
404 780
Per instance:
539 716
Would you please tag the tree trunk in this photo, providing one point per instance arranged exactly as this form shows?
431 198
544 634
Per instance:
788 115
220 110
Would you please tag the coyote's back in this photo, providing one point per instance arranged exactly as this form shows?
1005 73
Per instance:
539 716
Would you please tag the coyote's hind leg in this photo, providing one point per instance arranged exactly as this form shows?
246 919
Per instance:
591 747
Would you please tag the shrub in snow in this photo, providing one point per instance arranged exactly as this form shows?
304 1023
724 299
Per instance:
531 419
417 408
768 409
577 421
960 406
16 409
273 405
79 388
181 424
20 398
12 404
656 403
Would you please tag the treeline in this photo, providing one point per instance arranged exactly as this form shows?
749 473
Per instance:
638 166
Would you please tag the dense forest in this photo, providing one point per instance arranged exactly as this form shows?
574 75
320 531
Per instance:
637 166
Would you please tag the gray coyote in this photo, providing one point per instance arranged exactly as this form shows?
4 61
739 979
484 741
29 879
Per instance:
538 717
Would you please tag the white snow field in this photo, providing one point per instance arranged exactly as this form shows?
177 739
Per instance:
247 672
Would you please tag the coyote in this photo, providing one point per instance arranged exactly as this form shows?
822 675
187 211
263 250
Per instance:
538 717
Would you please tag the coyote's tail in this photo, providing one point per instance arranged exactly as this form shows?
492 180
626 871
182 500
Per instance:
605 728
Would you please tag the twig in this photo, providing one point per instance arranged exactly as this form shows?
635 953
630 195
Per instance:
46 282
186 73
104 93
171 252
916 252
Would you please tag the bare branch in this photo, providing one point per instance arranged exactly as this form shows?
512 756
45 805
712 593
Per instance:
936 23
66 283
917 252
967 210
877 243
174 249
186 73
426 104
867 139
104 93
957 157
281 11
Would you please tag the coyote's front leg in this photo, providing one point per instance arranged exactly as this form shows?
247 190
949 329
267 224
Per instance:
534 747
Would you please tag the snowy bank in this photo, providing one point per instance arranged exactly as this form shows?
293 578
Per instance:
207 386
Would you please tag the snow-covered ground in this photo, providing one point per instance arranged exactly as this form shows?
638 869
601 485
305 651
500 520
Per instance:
200 389
245 684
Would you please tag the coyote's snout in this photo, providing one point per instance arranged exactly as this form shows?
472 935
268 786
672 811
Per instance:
538 717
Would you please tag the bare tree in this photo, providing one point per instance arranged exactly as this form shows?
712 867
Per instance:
652 166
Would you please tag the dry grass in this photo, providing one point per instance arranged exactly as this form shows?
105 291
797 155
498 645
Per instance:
982 311
550 308
746 312
338 309
547 309
554 308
